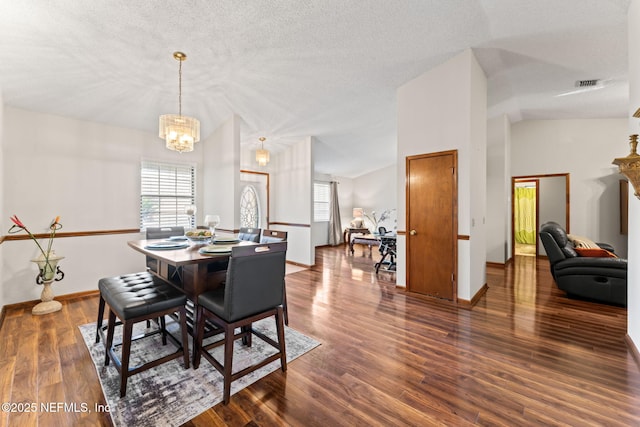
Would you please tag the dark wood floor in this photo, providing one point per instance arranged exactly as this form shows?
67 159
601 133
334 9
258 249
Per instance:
525 355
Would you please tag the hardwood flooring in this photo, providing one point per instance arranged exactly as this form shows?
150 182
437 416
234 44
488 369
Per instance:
524 355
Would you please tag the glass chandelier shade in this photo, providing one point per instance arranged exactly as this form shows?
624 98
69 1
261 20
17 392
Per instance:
179 132
262 155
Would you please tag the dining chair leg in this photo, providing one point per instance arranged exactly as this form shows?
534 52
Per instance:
229 339
284 306
163 327
100 318
280 331
127 332
111 326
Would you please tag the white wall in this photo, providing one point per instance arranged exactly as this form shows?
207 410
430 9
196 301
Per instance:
377 192
498 189
552 204
633 273
221 175
445 109
584 149
292 201
87 173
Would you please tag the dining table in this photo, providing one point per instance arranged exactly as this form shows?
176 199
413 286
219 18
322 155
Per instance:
199 265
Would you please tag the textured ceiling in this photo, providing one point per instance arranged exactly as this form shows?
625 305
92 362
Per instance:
291 69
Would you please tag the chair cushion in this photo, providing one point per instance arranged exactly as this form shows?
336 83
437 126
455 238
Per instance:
139 294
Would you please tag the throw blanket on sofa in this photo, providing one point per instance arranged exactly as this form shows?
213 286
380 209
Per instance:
582 242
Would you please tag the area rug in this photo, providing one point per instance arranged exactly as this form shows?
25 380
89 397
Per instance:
169 395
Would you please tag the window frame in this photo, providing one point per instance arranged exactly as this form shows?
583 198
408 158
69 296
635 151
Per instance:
320 190
166 196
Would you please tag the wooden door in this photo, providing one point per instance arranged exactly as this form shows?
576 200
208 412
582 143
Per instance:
432 224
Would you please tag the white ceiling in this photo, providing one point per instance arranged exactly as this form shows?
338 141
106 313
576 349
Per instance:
290 69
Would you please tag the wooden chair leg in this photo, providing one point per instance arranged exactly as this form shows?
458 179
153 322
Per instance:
228 361
100 318
284 306
127 329
163 328
111 326
280 330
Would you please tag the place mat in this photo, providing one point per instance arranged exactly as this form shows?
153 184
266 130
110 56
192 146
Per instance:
178 238
166 245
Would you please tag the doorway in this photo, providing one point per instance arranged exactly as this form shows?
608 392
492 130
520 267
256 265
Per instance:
525 217
552 203
432 221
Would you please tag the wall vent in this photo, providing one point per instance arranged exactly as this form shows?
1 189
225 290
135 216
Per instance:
588 83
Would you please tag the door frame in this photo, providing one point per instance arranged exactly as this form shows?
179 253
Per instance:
454 201
268 184
514 179
513 210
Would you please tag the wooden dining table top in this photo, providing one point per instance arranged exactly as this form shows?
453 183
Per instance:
184 256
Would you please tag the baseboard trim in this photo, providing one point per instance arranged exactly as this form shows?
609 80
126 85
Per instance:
299 264
30 304
633 349
470 304
495 264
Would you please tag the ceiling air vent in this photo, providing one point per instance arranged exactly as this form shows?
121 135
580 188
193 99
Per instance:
588 83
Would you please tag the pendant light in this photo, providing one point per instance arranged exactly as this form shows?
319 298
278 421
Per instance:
179 132
262 155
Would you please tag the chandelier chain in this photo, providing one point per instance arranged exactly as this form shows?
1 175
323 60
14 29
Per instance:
180 88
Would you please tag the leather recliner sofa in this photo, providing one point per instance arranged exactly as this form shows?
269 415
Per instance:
602 279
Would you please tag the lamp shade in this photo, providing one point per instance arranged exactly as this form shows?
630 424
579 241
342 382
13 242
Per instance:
179 132
358 213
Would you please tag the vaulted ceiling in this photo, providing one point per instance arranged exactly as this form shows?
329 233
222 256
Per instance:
290 69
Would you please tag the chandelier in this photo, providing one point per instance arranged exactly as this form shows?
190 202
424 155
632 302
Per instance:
262 155
180 132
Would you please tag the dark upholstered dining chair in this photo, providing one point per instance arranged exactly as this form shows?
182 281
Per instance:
249 234
164 233
271 236
253 291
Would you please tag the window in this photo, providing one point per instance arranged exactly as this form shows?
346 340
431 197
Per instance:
321 201
165 192
249 208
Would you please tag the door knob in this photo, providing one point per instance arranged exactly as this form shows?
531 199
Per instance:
413 232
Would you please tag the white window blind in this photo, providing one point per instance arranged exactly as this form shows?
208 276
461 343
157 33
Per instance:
166 190
321 197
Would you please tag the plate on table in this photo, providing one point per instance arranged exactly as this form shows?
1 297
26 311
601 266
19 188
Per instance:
167 245
225 240
214 250
178 238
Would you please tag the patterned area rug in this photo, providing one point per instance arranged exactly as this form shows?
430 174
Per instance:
170 395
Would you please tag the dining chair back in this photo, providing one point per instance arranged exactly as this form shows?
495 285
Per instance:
164 233
254 290
249 234
272 236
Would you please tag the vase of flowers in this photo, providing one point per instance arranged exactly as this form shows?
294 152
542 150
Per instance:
47 262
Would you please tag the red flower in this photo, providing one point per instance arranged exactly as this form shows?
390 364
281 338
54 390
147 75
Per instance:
17 222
